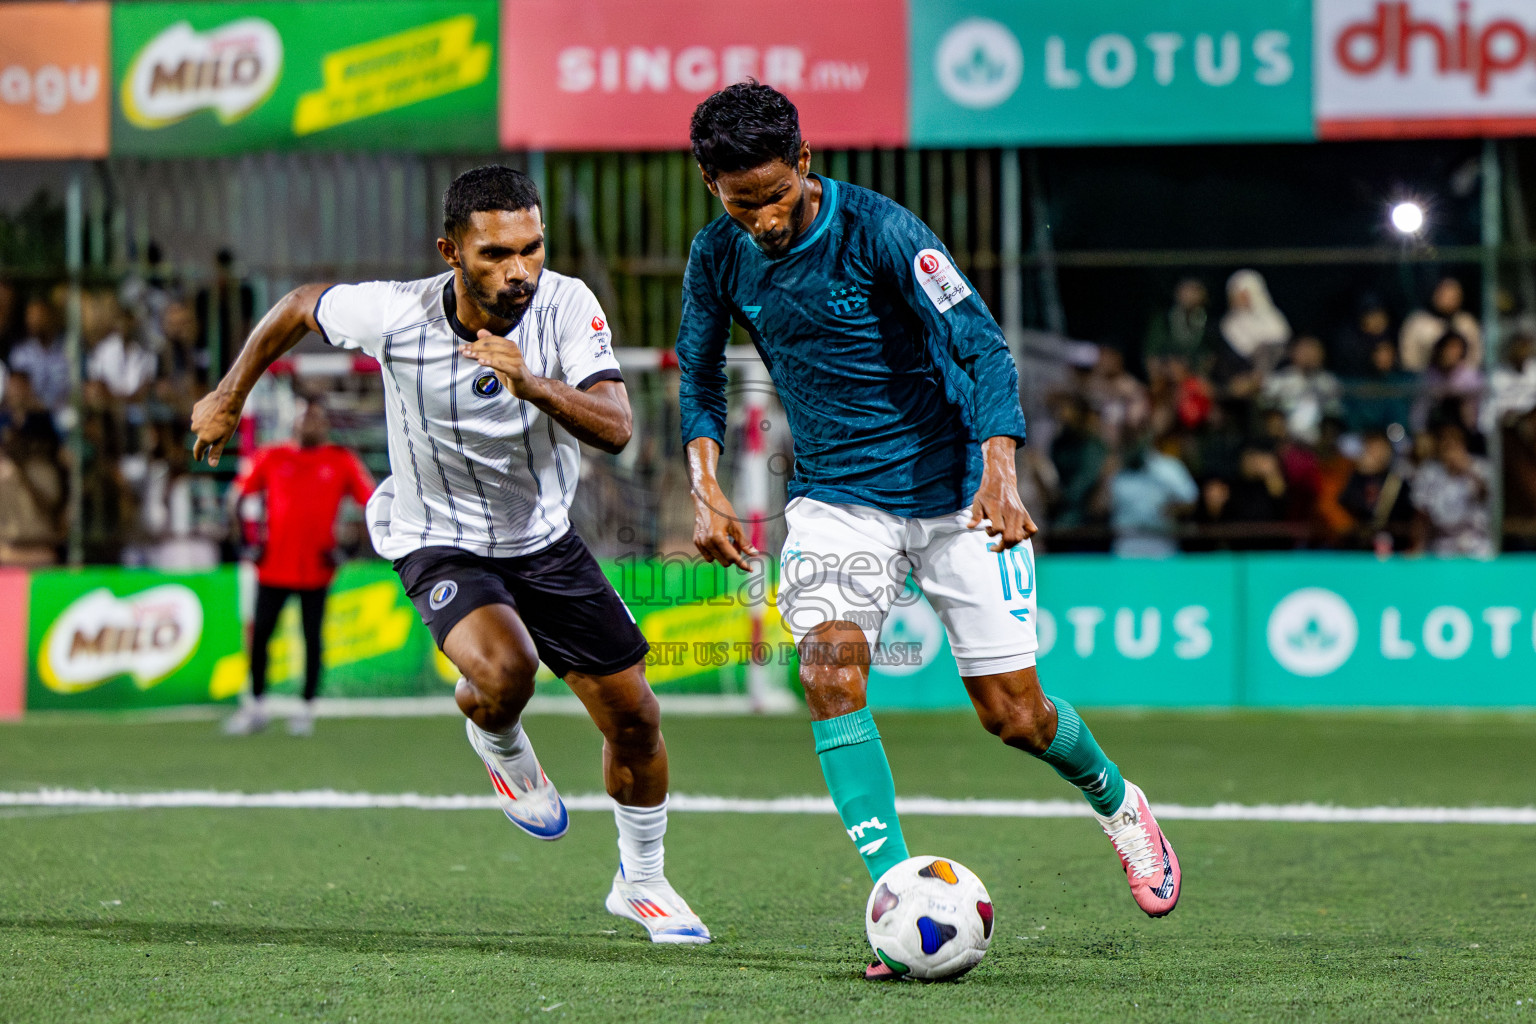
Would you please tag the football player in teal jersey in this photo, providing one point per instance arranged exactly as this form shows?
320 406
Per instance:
904 405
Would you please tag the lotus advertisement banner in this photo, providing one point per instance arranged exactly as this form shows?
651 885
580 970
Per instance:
1428 68
1326 630
54 80
211 78
600 74
1029 72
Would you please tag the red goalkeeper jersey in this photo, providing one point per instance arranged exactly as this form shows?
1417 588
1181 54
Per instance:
303 489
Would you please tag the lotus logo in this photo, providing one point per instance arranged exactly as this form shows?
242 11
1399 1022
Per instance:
231 69
1312 632
148 636
979 63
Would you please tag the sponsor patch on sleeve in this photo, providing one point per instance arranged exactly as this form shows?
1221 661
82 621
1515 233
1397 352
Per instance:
940 280
602 337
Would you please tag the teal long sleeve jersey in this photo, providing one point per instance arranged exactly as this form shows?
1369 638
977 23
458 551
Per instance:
890 369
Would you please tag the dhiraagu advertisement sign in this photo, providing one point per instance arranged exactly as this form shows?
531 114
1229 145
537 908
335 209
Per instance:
1026 72
207 78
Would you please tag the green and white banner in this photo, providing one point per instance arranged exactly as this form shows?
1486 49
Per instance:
131 638
1332 630
1199 631
212 78
1033 72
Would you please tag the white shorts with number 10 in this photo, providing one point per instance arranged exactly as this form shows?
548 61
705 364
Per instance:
850 563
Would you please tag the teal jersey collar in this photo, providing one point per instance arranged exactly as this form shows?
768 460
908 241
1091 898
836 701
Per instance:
823 215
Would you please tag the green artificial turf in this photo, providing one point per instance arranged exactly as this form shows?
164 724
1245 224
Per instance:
247 915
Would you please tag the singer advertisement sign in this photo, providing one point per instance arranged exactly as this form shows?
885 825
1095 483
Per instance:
1424 68
592 74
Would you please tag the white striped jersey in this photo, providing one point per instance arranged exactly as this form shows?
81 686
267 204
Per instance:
473 467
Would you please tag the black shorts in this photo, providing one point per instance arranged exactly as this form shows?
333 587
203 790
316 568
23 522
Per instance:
576 619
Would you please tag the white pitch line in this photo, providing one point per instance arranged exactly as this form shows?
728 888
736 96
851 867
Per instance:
330 799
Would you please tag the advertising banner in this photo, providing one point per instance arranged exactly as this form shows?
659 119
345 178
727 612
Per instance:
1029 72
1331 630
210 78
1429 68
130 638
1154 632
375 644
1198 631
611 74
54 80
1111 632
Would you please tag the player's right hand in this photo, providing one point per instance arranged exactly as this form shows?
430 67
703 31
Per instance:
717 531
214 419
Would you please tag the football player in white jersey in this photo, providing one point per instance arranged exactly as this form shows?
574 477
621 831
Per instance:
493 372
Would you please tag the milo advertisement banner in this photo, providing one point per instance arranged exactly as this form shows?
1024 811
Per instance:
106 639
211 78
127 638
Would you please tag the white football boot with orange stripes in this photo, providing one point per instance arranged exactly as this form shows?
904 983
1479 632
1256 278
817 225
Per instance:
528 799
656 906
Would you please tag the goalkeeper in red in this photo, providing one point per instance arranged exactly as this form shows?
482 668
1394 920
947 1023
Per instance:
904 405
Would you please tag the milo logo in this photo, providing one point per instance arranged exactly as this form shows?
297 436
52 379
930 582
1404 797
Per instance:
100 636
231 69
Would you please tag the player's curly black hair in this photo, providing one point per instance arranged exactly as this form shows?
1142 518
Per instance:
744 125
492 187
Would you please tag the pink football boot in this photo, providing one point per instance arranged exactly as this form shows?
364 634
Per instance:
1150 864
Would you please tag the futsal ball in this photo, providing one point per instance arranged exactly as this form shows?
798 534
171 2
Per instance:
929 918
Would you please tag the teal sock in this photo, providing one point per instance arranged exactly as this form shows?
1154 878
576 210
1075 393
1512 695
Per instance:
1076 756
859 779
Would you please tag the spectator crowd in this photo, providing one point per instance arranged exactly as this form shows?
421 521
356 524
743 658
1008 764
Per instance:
1244 433
144 360
1234 431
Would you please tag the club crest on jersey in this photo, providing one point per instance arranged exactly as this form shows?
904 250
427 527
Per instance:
443 593
939 279
487 385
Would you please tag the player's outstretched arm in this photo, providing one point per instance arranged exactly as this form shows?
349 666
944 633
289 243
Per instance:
599 416
997 500
717 531
217 413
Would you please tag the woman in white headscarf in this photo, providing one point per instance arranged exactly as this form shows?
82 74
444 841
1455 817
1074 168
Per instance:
1253 328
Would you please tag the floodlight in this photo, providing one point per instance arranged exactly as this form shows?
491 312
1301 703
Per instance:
1408 217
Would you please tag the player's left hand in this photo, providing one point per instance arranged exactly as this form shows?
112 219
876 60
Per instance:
997 501
503 356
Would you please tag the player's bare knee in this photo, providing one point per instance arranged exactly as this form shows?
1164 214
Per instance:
1019 725
502 680
833 690
631 717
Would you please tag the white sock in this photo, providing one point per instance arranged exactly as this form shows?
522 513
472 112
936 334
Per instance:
641 856
511 746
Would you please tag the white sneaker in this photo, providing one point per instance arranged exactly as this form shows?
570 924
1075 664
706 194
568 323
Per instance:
303 723
533 805
657 906
245 722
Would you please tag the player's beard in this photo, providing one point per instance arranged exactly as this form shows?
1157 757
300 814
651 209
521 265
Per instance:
778 242
509 304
